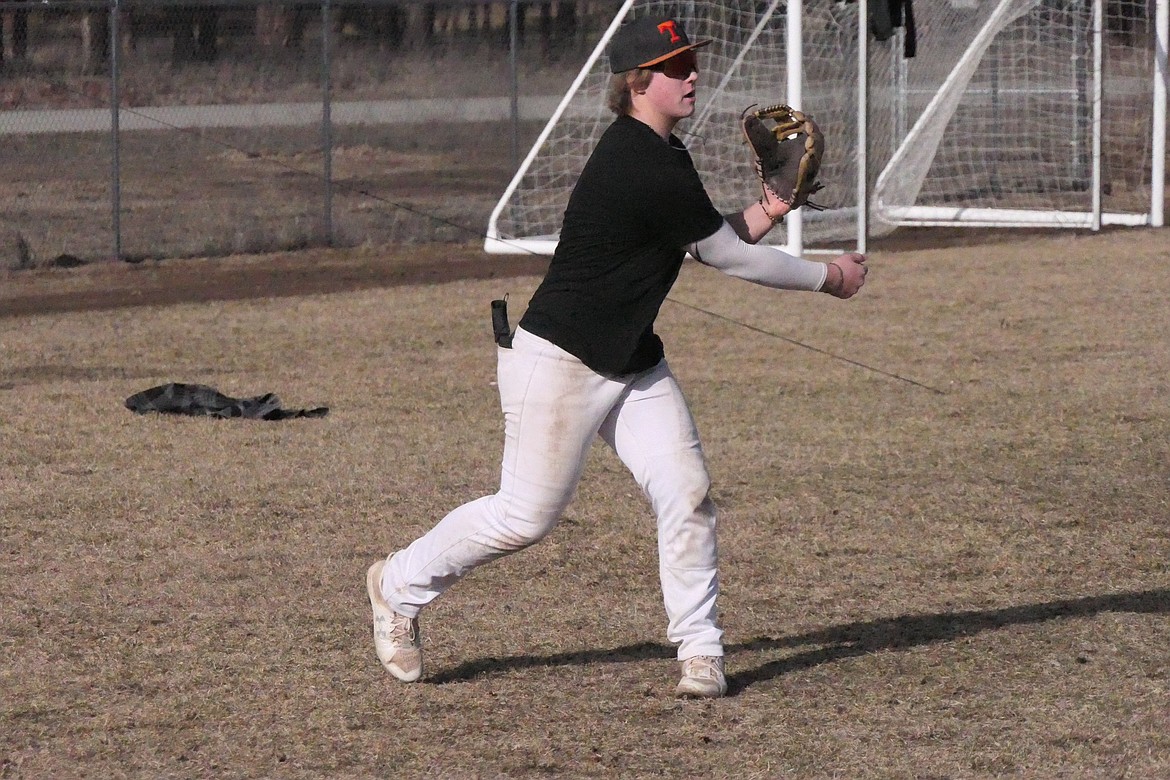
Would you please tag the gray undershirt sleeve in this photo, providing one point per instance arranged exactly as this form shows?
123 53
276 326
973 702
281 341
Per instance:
764 265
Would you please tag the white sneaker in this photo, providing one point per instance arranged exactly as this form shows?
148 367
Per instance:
702 678
396 638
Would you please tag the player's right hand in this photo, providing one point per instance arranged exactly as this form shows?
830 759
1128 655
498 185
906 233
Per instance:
846 275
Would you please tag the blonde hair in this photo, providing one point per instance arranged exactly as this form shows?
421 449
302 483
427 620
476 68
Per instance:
621 85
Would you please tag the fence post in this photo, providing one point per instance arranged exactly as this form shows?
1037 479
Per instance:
113 8
327 119
513 42
1095 104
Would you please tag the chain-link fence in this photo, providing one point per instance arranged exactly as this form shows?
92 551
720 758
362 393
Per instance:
255 127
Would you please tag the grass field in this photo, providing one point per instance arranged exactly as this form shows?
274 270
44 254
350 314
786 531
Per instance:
966 575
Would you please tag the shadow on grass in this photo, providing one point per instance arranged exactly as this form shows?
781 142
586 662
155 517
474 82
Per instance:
837 642
896 633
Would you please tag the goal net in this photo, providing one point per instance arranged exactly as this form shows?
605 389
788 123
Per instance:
992 122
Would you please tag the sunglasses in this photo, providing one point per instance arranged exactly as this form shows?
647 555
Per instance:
680 66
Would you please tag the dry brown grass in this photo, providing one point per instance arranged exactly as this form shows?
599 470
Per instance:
965 584
211 191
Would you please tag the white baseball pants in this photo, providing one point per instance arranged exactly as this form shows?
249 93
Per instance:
553 407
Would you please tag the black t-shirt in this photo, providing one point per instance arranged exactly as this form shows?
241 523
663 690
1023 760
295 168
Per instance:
637 203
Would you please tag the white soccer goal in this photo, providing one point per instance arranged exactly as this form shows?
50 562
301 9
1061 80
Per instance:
998 120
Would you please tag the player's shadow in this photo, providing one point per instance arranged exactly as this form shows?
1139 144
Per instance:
837 642
897 633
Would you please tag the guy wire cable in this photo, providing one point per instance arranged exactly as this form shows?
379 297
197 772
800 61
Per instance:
523 250
810 347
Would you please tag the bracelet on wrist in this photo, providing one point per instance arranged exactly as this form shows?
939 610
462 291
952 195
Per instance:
774 220
829 286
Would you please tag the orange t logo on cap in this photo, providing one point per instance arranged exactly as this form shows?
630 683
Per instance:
667 27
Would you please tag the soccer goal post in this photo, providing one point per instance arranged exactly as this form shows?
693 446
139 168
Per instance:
998 120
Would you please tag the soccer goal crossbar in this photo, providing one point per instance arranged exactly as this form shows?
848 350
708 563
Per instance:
998 121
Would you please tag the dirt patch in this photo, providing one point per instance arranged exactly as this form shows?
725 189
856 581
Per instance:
106 285
309 272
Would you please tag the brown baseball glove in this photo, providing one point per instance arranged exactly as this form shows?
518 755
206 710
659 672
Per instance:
788 147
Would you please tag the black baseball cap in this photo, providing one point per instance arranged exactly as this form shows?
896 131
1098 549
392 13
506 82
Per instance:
642 43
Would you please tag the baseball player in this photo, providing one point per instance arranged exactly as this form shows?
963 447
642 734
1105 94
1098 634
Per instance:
585 362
